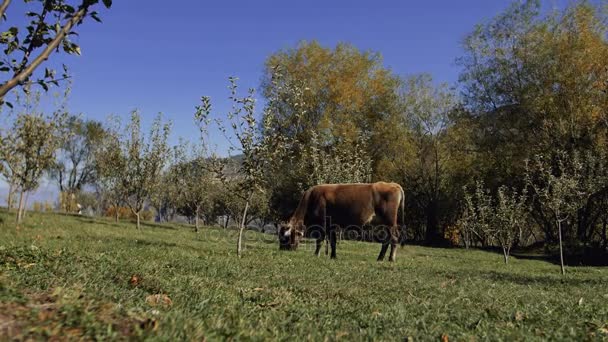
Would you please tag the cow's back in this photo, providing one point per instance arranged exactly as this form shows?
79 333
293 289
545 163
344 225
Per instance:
346 204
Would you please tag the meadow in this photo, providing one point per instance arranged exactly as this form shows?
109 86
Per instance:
72 278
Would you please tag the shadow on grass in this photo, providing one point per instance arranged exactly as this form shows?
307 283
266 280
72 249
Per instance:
580 258
120 224
543 280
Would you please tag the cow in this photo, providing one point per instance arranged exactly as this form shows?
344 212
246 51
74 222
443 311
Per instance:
327 207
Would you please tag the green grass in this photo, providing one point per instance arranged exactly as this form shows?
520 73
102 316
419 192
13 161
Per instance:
71 277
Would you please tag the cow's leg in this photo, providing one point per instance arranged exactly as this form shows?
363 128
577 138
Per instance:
394 232
332 241
319 244
320 238
382 251
384 241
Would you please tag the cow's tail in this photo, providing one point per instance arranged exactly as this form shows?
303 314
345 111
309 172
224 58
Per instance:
402 205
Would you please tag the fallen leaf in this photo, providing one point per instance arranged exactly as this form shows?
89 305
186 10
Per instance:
580 301
519 316
159 299
134 281
445 338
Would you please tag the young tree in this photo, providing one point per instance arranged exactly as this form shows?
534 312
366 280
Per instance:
511 211
191 178
27 150
144 161
259 152
28 45
559 189
478 215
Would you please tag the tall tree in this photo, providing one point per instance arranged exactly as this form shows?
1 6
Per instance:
343 93
110 168
75 167
28 45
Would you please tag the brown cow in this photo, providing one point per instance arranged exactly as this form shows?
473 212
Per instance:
326 207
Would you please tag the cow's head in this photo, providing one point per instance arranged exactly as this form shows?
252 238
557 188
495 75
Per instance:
289 235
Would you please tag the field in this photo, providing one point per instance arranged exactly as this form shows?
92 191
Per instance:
73 277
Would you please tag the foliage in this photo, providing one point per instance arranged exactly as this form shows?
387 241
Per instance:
250 138
110 167
144 161
28 147
323 101
562 184
50 27
75 166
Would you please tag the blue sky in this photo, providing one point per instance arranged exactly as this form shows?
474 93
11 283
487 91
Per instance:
162 56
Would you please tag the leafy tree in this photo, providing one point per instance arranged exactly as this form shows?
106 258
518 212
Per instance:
324 99
511 211
260 152
192 179
144 161
75 165
560 189
536 83
423 153
27 150
110 168
28 45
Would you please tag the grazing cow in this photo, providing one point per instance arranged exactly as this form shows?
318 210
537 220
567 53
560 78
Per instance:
326 207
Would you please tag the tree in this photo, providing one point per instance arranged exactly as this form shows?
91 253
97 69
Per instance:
535 83
144 161
559 189
511 212
27 46
334 96
27 150
110 168
260 152
422 158
192 180
477 218
75 166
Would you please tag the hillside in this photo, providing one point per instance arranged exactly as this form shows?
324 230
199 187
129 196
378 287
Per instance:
69 276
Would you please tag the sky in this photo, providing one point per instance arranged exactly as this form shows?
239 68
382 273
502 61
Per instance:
162 56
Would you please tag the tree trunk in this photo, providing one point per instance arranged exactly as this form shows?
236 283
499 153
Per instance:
239 248
196 219
226 221
20 207
27 197
138 225
505 253
116 213
9 203
604 233
433 234
561 251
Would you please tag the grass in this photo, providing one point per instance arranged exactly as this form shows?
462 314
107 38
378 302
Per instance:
69 277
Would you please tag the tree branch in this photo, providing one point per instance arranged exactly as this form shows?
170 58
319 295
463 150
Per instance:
27 72
3 7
